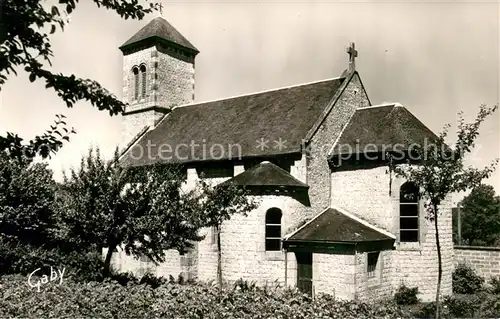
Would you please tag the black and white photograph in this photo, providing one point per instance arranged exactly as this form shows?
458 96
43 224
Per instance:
249 159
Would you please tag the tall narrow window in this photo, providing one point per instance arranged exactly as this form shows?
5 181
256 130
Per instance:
408 213
273 229
372 263
143 81
135 71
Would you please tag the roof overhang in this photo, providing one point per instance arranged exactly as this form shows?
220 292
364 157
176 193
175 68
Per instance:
335 229
128 48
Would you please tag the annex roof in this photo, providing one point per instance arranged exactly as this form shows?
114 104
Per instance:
382 128
335 226
266 174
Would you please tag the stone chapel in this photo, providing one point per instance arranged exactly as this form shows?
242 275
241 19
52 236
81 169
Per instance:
330 220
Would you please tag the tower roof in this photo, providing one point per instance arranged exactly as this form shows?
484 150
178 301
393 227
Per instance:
159 29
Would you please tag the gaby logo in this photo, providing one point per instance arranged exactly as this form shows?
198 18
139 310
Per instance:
54 275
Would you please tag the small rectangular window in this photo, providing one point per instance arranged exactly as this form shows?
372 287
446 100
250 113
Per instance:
372 263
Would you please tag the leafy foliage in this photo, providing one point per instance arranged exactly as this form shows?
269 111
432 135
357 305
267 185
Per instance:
144 210
495 285
44 145
480 305
26 198
466 280
463 306
26 26
481 217
406 296
440 170
20 258
170 300
428 310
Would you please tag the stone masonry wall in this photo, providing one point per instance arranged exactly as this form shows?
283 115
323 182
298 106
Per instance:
318 171
485 260
132 124
175 81
170 82
243 240
243 244
415 264
378 287
334 275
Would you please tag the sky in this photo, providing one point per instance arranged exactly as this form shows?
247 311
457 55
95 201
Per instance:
435 57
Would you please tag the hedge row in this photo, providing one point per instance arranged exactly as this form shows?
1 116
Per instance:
111 300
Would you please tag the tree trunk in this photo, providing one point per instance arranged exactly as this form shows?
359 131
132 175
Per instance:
107 262
219 258
440 267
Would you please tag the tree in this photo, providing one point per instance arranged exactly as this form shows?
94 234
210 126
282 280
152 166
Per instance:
481 216
144 210
26 198
25 26
439 170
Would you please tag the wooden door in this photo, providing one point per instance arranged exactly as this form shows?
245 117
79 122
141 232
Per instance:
304 272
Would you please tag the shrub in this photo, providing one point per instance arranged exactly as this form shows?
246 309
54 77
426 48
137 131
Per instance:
123 278
406 296
153 281
463 306
466 280
18 258
244 285
490 307
495 285
109 299
428 310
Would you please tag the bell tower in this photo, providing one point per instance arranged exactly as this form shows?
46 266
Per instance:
158 74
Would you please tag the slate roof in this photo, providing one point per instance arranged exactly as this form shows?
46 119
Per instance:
333 226
286 113
382 125
161 29
266 174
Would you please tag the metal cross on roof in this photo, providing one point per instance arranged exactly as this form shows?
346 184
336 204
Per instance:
353 53
160 9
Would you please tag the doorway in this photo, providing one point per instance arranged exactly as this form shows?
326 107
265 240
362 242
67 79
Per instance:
304 272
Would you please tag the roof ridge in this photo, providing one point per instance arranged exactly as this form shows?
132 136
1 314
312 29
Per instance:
256 93
281 170
379 105
270 166
364 222
329 106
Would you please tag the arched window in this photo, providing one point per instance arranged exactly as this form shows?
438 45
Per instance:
143 81
273 229
135 71
408 212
